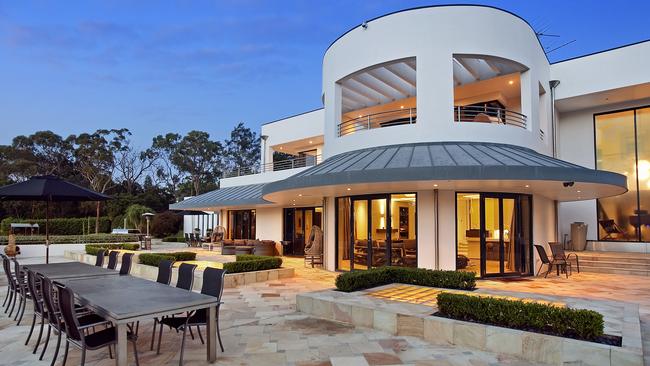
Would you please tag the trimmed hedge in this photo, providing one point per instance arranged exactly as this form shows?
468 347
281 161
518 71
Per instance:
361 280
71 239
93 249
61 226
517 314
152 259
251 263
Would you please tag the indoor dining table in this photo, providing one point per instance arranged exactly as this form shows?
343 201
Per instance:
127 299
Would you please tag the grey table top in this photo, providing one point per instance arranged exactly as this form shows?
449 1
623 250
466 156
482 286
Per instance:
59 271
127 298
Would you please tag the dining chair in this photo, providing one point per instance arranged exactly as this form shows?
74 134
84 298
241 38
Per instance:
38 310
54 319
165 278
23 291
99 261
75 332
11 283
112 259
213 282
558 263
557 251
125 267
185 281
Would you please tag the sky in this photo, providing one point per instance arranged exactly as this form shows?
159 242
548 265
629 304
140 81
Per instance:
174 66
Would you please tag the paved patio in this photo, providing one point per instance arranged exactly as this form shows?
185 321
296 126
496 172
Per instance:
261 327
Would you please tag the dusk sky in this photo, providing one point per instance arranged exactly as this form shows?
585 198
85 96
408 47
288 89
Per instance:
174 66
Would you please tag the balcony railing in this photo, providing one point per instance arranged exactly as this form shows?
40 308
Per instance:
299 162
397 117
485 114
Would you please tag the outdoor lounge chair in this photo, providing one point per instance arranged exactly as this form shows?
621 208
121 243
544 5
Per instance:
75 332
558 263
213 282
611 229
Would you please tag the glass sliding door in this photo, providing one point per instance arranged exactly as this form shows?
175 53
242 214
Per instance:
241 224
298 224
494 236
375 231
641 217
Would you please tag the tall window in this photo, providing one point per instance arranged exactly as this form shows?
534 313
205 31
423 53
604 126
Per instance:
622 146
241 224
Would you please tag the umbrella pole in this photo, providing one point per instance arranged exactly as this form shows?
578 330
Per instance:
47 231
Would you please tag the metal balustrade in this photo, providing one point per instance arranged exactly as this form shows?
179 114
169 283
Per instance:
486 114
378 120
299 162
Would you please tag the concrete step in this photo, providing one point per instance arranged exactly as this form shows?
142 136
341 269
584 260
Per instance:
615 270
622 259
614 264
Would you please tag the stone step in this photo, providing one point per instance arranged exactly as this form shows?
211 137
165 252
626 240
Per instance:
622 259
614 264
615 270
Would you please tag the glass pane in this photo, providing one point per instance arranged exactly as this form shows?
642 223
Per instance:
615 152
343 235
309 218
642 222
402 221
468 228
360 234
288 229
379 231
526 234
299 233
510 249
492 236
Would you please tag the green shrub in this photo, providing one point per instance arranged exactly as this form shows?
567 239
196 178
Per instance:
93 249
174 239
71 239
360 280
61 226
566 322
250 263
152 259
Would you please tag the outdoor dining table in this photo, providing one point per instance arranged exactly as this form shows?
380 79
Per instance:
60 271
127 299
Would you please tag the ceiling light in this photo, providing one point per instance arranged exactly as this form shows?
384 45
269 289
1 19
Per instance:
280 147
579 191
300 194
360 116
310 141
349 189
401 107
435 185
527 186
511 82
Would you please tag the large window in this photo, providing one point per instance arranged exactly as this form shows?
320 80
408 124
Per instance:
622 146
377 230
241 224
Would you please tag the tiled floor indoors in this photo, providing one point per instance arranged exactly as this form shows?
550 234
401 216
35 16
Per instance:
261 327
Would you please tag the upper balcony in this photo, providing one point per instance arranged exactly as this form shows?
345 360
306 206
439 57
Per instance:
302 161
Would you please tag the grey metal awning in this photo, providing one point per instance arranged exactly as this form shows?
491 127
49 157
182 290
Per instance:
248 195
448 165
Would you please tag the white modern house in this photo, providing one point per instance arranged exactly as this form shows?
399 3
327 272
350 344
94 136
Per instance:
448 140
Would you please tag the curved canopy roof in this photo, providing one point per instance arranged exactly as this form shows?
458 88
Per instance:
448 165
248 195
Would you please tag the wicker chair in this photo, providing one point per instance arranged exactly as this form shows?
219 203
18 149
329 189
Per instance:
314 247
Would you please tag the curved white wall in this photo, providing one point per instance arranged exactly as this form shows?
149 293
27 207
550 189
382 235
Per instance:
433 35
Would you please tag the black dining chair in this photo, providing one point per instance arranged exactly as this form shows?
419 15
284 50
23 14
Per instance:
558 263
164 277
125 267
75 332
213 282
38 308
54 319
112 259
23 291
185 281
99 261
11 283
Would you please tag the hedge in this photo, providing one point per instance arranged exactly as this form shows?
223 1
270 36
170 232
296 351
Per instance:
174 239
152 259
71 239
360 280
61 226
93 249
250 263
517 314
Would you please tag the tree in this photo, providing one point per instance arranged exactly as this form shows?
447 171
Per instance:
199 157
165 224
131 165
242 149
95 159
43 153
134 217
164 148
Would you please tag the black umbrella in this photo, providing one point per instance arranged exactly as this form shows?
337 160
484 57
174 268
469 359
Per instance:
50 189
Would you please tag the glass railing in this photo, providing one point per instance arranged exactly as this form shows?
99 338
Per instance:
298 162
485 114
397 117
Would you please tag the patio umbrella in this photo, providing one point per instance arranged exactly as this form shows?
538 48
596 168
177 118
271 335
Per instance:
50 189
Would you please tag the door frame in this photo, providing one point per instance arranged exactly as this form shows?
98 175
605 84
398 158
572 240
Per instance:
369 249
483 239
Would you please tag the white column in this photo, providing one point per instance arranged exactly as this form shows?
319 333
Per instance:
426 230
329 230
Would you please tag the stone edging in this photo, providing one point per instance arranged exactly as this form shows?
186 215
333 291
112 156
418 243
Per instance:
232 279
442 331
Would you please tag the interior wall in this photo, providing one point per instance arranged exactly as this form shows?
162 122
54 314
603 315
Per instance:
269 223
543 225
